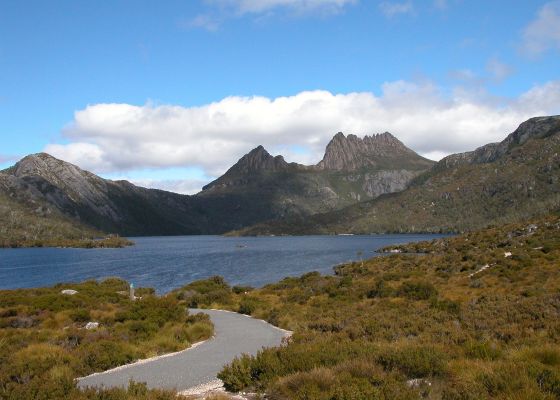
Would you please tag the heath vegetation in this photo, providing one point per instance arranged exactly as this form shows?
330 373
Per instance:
45 342
475 316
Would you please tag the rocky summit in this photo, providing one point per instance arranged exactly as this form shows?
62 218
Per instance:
352 170
351 153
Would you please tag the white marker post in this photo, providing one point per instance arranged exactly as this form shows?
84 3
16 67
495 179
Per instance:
132 297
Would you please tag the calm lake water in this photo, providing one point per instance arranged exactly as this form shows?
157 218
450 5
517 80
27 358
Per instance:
165 263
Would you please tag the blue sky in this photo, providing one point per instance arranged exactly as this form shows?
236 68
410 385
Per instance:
162 93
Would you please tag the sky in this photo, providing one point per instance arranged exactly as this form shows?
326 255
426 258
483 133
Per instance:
169 94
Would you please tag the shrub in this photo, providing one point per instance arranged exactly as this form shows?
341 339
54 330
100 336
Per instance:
380 289
199 331
237 375
80 315
417 290
546 355
248 305
549 381
242 289
449 306
482 350
319 383
414 361
106 354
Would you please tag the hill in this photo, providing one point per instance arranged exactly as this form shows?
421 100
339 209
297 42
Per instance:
497 183
36 224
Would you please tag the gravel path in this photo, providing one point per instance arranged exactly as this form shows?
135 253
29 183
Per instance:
235 334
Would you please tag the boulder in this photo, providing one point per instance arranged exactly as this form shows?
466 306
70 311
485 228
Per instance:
92 325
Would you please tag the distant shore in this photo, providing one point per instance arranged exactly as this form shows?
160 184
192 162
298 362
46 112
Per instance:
107 242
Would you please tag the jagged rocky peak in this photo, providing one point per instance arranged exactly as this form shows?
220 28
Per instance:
259 159
351 152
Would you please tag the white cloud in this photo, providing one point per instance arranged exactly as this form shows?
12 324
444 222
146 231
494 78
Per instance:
498 70
183 186
222 10
465 75
392 8
207 22
543 33
114 138
543 97
297 6
440 4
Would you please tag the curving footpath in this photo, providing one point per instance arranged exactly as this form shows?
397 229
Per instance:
235 334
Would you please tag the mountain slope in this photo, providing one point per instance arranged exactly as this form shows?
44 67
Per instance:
500 182
106 205
34 223
352 170
258 187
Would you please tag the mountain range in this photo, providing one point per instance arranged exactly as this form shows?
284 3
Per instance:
508 181
259 187
362 185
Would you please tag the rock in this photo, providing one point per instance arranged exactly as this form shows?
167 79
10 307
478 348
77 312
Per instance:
92 325
483 268
69 292
22 322
350 153
418 382
532 228
389 181
507 254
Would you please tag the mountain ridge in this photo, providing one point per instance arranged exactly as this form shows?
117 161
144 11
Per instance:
403 192
516 178
258 187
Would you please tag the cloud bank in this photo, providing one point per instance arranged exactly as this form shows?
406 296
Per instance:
182 186
298 6
543 33
392 8
109 138
223 10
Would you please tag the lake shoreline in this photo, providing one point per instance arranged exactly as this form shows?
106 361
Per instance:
165 263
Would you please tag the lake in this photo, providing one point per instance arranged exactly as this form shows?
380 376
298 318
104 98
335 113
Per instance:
166 263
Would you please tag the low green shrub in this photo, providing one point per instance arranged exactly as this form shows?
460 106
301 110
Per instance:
414 361
417 290
248 305
237 374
